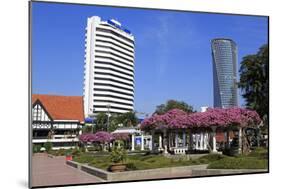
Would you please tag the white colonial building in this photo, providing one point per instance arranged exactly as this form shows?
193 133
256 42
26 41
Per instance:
57 119
108 68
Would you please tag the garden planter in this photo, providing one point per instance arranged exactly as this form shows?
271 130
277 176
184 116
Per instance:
117 167
68 158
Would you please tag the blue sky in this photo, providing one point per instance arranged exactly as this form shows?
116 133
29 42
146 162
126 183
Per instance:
173 53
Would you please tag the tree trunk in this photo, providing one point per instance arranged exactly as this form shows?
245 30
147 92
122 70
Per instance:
245 143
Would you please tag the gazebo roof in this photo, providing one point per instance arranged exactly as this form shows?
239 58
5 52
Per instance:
126 130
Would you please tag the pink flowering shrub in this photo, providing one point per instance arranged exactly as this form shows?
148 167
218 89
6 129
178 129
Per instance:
86 137
212 117
101 137
120 136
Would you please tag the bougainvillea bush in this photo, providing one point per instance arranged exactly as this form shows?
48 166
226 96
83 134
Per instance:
101 137
86 137
121 136
175 119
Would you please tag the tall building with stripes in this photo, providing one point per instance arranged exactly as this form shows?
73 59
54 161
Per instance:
108 68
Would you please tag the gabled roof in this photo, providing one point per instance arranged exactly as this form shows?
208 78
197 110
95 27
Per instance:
62 107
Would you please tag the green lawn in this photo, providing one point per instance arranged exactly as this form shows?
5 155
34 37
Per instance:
255 160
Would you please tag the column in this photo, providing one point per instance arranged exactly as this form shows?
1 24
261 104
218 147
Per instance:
196 141
240 140
176 139
165 142
205 140
190 140
152 141
160 142
142 142
227 139
184 138
214 139
201 140
133 142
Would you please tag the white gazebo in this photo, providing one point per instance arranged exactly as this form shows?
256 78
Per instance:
135 133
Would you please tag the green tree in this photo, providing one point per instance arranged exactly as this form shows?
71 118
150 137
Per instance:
172 104
254 82
113 122
87 129
100 122
128 119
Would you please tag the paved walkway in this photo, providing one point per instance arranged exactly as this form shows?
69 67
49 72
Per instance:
48 171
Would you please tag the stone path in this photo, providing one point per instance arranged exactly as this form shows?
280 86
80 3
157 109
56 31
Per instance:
47 171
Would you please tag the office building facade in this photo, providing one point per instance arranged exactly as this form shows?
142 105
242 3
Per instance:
224 55
108 68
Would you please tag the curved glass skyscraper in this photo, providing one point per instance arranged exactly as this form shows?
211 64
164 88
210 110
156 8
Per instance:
224 53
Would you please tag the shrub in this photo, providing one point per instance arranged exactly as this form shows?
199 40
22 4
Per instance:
36 148
118 155
131 166
60 152
238 163
48 146
261 153
76 152
68 152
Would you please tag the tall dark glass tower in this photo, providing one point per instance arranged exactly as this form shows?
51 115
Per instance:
224 54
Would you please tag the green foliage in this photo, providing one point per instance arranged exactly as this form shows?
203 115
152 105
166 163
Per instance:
212 157
48 146
254 81
257 159
260 153
128 119
254 160
85 158
76 152
60 152
101 122
68 152
172 104
94 147
118 155
239 163
131 166
87 129
36 148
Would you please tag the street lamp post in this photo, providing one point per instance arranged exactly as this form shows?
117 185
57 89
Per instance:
108 115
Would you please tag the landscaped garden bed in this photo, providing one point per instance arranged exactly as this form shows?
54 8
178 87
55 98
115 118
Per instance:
142 162
257 159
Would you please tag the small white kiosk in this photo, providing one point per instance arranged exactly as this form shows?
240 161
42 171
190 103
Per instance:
137 138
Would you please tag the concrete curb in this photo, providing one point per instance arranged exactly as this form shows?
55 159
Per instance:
170 172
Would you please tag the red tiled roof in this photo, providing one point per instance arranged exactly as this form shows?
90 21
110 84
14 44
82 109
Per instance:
62 107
